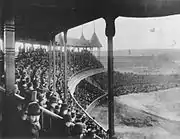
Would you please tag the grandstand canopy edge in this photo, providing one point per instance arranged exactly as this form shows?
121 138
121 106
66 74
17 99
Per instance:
41 19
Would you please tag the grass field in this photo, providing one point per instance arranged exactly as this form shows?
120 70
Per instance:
160 64
154 115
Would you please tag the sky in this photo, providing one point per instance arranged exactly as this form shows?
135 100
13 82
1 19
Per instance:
135 33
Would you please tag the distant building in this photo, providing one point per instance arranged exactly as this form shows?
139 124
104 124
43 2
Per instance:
82 43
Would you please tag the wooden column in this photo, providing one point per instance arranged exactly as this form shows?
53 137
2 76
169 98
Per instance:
54 68
50 56
110 32
1 81
99 53
26 47
61 43
91 49
9 45
61 55
23 47
1 37
65 66
9 104
1 58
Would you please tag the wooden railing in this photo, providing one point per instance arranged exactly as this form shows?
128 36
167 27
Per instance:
43 109
89 116
71 93
89 108
2 89
46 111
57 116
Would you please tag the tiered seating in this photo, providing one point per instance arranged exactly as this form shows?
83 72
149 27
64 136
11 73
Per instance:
126 83
86 93
83 60
32 76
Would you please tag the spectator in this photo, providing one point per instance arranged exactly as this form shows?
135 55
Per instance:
77 131
32 122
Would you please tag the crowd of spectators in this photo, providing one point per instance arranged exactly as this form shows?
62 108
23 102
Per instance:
86 93
82 60
126 83
34 75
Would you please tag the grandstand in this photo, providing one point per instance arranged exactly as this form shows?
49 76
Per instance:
36 99
81 43
33 76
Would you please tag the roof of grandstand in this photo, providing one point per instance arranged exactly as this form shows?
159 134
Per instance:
33 41
42 19
81 42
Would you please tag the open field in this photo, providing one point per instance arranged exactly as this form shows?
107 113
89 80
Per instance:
145 61
152 115
144 65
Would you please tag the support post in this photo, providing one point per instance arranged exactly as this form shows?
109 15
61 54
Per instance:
54 68
99 53
49 50
2 36
61 43
23 48
91 50
1 58
9 105
61 55
9 45
110 32
65 66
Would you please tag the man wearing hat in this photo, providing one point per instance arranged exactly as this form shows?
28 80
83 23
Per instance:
77 131
32 122
68 125
64 109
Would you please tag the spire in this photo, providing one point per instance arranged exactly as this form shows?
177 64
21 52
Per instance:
82 31
82 40
95 41
82 35
94 27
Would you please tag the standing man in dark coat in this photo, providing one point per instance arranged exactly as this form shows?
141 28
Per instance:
32 124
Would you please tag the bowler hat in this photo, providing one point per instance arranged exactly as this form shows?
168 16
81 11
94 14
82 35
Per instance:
53 99
77 129
64 106
33 109
67 117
